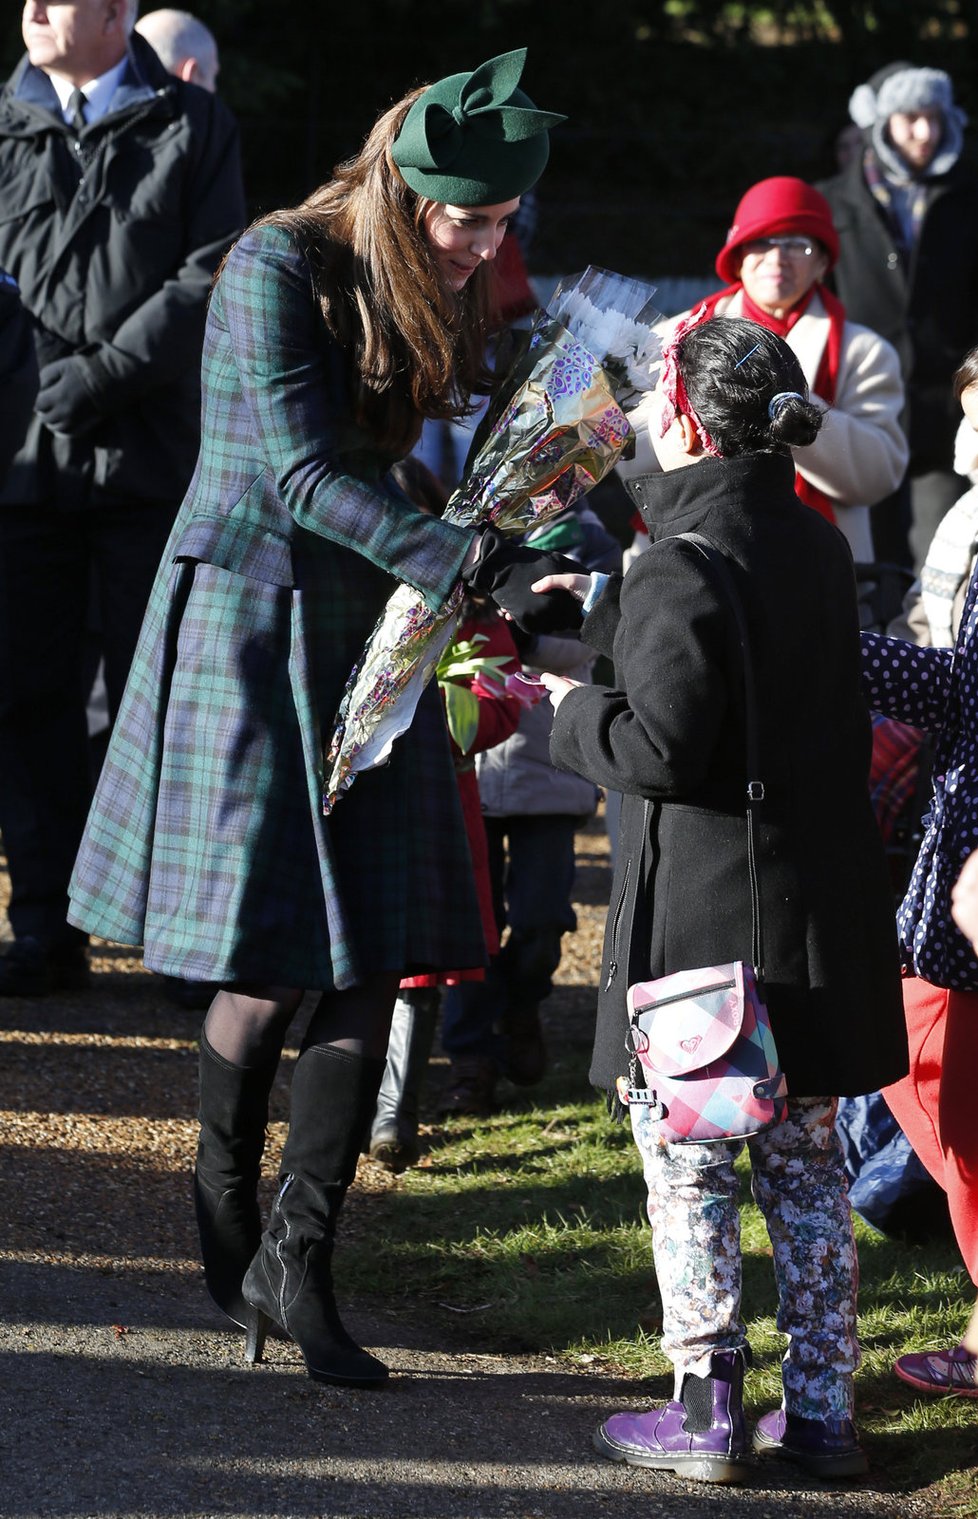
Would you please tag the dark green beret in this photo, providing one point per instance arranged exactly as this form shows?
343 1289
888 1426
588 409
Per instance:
475 139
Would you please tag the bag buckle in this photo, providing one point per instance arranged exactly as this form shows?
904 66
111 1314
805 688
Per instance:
755 791
642 1097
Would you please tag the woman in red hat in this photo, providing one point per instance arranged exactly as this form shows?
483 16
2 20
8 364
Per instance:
778 251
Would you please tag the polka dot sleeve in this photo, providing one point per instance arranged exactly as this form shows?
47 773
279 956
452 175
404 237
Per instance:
906 682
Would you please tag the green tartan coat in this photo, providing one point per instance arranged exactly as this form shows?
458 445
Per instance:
206 841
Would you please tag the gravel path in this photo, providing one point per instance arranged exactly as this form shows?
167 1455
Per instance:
122 1395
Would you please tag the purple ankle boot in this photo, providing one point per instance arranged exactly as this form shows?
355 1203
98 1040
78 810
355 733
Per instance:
827 1448
702 1437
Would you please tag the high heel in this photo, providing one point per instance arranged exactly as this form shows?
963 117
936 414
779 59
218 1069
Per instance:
257 1324
293 1289
290 1282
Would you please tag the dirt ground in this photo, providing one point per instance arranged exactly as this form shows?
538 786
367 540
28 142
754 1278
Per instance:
122 1394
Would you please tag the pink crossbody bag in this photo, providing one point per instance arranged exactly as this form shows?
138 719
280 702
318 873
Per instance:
703 1062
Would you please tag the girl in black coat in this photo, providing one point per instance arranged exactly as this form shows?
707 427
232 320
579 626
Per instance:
672 738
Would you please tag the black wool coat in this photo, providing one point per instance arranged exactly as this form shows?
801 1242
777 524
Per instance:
18 371
674 733
927 308
114 239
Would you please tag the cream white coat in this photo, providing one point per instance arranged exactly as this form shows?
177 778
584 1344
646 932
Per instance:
860 454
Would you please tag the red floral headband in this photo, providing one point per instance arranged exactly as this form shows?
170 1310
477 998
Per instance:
675 400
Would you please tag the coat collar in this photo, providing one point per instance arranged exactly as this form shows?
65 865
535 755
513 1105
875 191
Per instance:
675 501
30 99
851 184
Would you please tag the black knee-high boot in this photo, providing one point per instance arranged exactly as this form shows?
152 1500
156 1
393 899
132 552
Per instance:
233 1118
290 1282
394 1134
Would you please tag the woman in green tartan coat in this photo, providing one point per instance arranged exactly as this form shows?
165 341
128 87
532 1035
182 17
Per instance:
333 330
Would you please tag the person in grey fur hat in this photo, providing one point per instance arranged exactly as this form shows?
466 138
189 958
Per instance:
913 123
906 209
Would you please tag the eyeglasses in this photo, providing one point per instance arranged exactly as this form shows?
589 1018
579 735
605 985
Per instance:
791 247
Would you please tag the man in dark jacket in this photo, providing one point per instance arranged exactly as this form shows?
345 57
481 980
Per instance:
18 370
121 188
906 210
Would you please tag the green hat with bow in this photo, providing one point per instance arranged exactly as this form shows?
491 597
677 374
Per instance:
475 139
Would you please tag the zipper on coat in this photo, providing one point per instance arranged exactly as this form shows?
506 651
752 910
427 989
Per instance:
616 926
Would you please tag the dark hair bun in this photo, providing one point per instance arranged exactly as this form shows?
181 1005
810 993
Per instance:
795 420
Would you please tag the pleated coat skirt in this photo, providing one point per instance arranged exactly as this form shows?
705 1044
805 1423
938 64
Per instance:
206 842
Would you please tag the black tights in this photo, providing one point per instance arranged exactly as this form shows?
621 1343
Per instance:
246 1024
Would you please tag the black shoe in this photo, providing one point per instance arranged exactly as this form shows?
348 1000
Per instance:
31 968
395 1151
524 1057
290 1280
471 1088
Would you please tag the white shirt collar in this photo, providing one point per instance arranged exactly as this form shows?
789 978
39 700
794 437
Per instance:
98 92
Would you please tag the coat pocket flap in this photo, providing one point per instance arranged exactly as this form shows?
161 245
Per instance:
236 546
682 1022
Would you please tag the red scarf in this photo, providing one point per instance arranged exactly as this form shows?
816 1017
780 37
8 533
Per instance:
827 378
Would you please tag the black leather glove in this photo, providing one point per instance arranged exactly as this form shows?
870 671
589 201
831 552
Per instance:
525 642
64 402
506 570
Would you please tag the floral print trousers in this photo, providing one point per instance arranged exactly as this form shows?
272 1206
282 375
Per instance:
798 1181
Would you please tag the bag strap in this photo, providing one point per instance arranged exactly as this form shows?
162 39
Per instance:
755 786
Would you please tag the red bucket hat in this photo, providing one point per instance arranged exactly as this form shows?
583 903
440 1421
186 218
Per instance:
779 207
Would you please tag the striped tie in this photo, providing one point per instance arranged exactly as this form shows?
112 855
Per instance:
76 110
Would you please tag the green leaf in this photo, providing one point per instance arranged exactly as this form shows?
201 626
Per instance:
457 659
462 711
468 669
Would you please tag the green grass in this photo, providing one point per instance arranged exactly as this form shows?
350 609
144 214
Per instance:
530 1227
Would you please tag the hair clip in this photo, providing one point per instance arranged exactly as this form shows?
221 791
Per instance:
747 356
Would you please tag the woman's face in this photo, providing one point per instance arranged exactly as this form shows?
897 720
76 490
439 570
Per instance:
778 272
462 237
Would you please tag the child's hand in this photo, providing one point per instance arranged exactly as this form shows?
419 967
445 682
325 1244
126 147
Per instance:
557 685
578 585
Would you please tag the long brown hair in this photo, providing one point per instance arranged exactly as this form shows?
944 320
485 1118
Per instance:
417 347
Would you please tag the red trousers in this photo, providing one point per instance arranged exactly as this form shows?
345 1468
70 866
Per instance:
936 1104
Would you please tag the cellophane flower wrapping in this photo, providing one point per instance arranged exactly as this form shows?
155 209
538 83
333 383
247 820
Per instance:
554 429
614 318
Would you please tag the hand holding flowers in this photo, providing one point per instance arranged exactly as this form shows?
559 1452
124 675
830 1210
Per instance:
556 428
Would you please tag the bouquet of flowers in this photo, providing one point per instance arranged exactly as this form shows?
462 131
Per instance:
613 318
556 428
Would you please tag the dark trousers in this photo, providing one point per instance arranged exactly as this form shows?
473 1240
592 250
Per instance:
531 866
49 563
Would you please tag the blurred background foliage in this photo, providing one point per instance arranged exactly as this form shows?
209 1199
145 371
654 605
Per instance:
674 107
